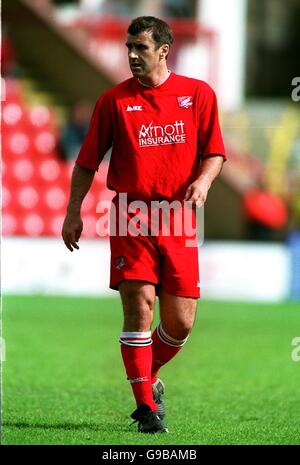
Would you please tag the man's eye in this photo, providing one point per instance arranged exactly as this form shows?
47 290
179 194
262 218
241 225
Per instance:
137 46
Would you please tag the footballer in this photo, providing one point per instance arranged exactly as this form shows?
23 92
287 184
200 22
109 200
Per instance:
167 146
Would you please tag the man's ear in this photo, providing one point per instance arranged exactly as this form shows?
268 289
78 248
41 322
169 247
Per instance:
164 51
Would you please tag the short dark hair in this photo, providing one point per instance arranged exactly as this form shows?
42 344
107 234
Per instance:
161 31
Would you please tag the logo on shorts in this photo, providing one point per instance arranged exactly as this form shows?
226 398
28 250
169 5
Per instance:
185 101
119 262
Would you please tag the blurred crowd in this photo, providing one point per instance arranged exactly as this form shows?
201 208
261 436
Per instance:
74 129
167 8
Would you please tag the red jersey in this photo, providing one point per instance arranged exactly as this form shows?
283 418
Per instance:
158 136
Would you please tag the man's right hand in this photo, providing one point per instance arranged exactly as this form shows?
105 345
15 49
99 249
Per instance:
71 231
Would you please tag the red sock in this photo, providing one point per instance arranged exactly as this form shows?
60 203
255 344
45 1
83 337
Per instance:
164 348
136 349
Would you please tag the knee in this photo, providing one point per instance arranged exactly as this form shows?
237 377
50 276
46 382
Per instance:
138 306
138 314
138 302
179 331
179 328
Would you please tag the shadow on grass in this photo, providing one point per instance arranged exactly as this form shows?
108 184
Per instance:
63 426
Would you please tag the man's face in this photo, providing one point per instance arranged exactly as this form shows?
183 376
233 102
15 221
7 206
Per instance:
143 56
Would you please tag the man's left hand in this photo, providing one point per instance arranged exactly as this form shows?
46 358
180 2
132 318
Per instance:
197 192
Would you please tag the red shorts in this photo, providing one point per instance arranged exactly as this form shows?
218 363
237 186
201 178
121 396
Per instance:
167 261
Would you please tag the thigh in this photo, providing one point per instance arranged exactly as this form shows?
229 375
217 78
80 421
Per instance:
177 314
179 274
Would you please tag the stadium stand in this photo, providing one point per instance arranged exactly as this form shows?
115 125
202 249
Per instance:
35 180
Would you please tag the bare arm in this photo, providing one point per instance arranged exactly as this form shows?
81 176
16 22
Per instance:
210 169
82 179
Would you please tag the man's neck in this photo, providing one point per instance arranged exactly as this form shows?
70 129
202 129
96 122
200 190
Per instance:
156 80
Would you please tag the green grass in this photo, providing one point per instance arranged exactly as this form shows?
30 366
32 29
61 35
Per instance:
64 383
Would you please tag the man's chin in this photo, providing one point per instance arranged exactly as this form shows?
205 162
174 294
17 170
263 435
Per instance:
137 72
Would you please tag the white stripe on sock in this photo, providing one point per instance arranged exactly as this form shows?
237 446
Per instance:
169 340
136 339
135 334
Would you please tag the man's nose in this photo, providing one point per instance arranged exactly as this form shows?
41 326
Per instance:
132 54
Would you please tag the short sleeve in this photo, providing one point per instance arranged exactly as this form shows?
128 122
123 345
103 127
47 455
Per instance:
210 139
99 136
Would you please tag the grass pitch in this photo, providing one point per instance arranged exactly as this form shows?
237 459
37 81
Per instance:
64 383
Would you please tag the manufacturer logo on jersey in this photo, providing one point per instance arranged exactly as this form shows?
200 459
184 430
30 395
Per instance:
134 108
185 101
162 135
119 262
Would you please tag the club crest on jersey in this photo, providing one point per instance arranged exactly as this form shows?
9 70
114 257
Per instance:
185 101
134 108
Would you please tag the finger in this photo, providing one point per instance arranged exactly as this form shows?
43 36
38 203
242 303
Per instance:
69 240
188 193
197 199
73 242
67 244
199 203
194 198
78 234
201 200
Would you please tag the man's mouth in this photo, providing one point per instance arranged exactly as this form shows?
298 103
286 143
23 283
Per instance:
135 66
